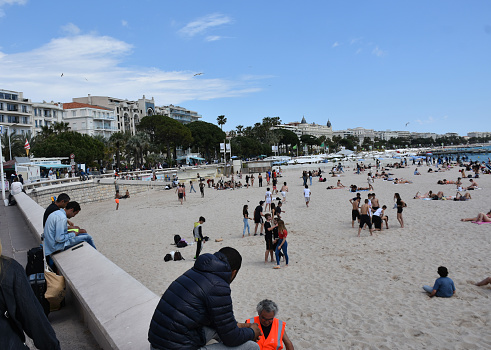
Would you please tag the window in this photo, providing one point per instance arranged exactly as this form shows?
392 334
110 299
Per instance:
24 109
12 108
94 113
54 114
1 106
36 122
74 113
74 126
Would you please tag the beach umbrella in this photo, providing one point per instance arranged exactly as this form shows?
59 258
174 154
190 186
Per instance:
429 154
361 160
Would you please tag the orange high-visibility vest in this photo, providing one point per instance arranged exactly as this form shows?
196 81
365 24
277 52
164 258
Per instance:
274 339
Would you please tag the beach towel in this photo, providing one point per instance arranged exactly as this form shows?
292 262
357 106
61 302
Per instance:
481 222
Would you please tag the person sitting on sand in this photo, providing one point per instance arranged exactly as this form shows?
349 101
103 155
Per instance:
460 197
481 217
473 185
416 172
443 287
484 282
339 184
379 217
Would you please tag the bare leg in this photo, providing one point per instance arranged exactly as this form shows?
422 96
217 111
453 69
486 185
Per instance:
469 219
400 219
484 282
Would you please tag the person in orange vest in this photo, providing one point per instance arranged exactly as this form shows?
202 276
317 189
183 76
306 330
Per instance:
273 329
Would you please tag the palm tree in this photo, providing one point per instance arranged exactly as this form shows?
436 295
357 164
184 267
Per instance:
60 127
119 139
240 129
221 120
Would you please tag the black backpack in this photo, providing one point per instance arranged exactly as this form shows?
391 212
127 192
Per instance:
35 261
178 256
181 244
177 239
167 257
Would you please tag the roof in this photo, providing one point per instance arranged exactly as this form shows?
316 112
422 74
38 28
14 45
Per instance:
75 105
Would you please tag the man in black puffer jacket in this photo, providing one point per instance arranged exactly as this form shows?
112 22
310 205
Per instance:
197 307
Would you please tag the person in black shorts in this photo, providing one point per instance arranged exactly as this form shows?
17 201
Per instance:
268 237
258 214
355 212
365 218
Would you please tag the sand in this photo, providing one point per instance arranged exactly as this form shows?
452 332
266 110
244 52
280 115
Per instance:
340 291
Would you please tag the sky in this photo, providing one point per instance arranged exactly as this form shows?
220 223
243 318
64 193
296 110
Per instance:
360 63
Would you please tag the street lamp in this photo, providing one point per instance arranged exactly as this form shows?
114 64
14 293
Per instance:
8 133
1 174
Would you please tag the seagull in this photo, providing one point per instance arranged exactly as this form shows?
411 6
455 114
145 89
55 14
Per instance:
198 74
407 123
61 74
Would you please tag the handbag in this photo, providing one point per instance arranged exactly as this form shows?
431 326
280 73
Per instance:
55 286
55 289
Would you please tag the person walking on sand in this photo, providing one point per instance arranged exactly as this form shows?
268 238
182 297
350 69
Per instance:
245 214
116 199
252 180
191 187
260 179
180 193
443 287
306 194
400 205
282 245
284 190
198 235
202 189
365 218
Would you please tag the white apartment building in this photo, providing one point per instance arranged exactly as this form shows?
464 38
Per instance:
304 128
424 135
479 134
15 112
178 113
128 113
89 119
46 114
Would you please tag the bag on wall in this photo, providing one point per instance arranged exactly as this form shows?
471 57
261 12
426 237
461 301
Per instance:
55 289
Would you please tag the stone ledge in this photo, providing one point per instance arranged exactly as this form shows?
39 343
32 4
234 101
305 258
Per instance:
116 308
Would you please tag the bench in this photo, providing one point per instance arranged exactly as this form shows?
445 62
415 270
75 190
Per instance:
116 308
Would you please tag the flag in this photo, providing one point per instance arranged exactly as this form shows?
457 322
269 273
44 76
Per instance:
27 147
295 147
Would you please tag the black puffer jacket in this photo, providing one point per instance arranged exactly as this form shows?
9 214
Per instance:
200 297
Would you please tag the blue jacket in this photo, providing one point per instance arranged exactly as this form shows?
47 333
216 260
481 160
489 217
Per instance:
198 298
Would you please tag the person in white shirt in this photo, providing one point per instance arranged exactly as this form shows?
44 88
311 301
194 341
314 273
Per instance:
267 199
15 188
306 194
379 217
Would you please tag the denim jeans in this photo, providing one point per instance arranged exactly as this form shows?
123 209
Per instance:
284 249
246 225
82 237
428 289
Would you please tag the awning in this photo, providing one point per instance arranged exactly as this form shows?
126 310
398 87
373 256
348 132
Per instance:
56 166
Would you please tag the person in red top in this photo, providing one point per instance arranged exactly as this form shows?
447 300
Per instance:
281 245
273 329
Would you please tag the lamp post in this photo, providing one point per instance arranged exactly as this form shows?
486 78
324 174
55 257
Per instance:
1 174
8 133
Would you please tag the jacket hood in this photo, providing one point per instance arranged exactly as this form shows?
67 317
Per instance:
216 264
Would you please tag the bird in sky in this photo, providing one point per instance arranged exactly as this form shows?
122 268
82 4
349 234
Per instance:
198 74
61 74
407 123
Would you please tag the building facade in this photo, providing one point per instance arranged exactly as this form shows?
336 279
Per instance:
89 119
15 112
304 128
46 114
127 113
178 113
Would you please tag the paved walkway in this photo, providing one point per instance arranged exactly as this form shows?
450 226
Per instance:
16 240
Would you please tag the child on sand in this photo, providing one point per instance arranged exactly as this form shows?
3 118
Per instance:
282 245
306 194
443 287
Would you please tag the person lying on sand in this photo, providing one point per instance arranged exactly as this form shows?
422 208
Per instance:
446 182
481 217
402 181
460 197
418 195
484 282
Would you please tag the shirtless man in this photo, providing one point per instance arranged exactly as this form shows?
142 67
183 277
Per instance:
339 184
365 218
284 190
473 185
180 193
375 203
460 197
355 212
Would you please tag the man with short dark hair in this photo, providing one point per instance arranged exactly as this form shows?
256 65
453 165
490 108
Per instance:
60 203
273 329
443 287
198 235
197 307
56 235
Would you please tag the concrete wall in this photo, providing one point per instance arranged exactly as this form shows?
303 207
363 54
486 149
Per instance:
92 191
116 308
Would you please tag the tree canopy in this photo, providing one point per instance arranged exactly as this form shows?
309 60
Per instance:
206 137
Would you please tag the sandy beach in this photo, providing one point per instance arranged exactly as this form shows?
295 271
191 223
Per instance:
340 291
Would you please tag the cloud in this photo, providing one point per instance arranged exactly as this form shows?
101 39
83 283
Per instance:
377 52
93 64
10 2
336 44
203 24
355 40
124 23
429 120
71 28
213 38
